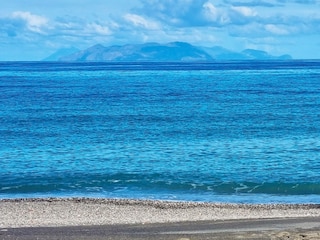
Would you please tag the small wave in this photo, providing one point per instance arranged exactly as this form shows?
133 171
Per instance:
149 183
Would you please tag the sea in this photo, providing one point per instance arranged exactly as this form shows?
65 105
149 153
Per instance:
229 132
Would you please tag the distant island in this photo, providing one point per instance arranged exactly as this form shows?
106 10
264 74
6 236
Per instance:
174 51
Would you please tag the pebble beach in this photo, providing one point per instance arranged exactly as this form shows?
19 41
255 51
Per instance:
52 212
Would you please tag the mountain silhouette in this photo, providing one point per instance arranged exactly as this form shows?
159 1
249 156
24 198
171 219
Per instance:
174 51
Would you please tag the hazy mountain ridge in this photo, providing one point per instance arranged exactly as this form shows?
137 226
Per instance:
174 51
61 53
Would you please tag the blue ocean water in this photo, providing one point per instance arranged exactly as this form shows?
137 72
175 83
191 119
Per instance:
219 132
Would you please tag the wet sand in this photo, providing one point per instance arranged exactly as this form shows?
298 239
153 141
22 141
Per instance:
83 218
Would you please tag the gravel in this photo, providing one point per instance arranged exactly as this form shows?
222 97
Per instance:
53 212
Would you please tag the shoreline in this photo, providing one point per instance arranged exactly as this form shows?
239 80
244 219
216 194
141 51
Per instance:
63 212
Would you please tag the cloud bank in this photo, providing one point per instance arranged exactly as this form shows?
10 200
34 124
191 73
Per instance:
260 24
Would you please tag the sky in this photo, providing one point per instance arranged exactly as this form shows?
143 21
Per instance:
31 30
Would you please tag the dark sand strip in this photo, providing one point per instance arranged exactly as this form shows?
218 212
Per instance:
295 228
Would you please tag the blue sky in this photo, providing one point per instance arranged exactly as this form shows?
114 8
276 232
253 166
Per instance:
33 29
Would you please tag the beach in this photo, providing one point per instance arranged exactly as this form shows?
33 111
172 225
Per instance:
67 215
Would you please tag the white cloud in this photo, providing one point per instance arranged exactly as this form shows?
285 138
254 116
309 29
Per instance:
140 21
99 29
195 13
276 29
214 15
34 23
178 13
245 11
210 11
252 3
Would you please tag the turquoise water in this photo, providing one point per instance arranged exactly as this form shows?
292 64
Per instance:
219 132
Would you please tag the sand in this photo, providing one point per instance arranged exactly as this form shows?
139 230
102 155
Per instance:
54 212
123 219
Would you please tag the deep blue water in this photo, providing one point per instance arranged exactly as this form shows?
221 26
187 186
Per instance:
220 132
